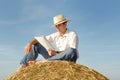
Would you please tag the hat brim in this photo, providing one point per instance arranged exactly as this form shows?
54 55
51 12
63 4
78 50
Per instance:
61 22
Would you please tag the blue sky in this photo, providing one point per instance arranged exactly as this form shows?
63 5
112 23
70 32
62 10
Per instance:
95 21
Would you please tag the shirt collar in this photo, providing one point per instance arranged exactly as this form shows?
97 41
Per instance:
66 33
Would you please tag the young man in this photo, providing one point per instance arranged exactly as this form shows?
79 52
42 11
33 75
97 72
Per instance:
65 40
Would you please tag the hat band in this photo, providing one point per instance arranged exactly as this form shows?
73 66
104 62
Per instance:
61 21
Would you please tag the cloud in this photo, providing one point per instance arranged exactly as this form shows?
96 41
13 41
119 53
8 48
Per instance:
100 49
8 50
32 12
29 12
3 62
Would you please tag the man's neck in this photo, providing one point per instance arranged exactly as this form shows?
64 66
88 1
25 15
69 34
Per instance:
62 33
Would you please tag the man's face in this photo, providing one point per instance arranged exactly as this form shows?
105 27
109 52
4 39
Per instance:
61 27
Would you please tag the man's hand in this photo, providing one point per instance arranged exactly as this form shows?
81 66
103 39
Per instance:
51 52
27 48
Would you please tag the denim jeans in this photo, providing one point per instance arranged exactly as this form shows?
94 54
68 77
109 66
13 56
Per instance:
69 54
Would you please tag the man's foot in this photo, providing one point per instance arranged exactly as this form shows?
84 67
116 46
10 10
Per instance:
31 62
37 62
21 67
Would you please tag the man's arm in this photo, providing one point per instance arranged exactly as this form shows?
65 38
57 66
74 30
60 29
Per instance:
28 47
74 41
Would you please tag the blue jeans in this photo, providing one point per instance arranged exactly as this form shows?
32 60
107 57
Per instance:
69 54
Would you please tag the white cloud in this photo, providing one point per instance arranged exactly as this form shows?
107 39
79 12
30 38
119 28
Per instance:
8 50
29 11
100 49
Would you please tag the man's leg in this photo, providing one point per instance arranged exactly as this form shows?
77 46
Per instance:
32 55
36 49
41 50
69 54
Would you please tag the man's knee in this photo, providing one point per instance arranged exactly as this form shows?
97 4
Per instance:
72 54
71 50
36 47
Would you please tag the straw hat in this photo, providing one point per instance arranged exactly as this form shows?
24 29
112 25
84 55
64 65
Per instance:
59 19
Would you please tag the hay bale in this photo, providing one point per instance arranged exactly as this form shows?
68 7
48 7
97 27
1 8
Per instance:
57 70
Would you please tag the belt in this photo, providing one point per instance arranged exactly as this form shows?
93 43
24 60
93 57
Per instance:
58 52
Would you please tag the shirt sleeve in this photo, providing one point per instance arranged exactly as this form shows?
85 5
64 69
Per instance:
74 41
50 37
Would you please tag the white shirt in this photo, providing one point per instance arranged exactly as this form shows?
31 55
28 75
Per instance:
68 40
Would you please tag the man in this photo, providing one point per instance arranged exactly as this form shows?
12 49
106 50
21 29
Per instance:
65 40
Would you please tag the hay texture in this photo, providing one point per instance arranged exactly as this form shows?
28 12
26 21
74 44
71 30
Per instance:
56 70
